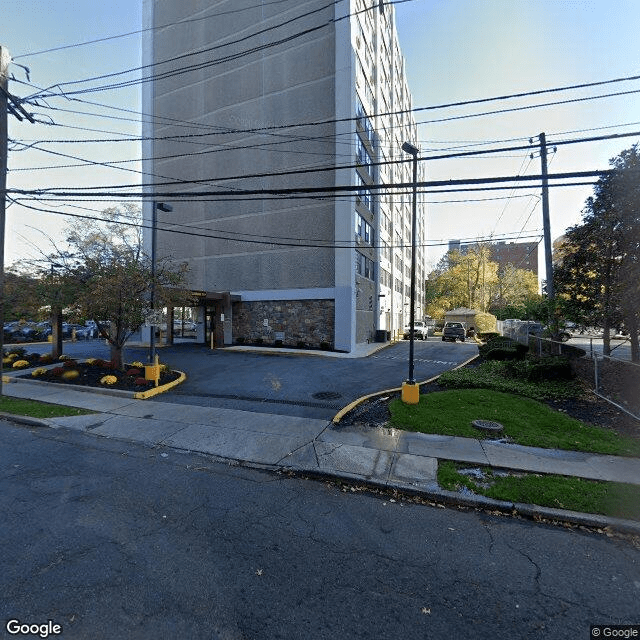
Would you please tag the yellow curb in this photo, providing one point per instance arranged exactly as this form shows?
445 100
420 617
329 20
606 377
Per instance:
143 395
343 412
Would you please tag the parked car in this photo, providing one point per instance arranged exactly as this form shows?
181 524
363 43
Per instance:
81 332
420 330
453 331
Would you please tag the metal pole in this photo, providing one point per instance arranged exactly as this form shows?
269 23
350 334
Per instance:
166 208
546 223
152 337
408 148
4 105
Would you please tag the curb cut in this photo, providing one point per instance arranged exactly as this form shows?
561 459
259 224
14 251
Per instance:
26 420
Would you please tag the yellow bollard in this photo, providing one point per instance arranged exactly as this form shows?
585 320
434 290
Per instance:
152 371
410 393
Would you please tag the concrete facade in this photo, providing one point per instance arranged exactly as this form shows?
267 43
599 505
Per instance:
227 81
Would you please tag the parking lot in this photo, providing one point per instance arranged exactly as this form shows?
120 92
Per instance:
304 384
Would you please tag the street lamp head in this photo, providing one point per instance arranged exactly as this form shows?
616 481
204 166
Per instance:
409 148
163 206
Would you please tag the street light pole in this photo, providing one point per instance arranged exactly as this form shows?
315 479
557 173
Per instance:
167 208
410 390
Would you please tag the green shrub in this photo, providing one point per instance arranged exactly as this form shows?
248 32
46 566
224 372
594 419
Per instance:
552 368
324 346
240 340
510 377
259 341
278 343
516 352
300 344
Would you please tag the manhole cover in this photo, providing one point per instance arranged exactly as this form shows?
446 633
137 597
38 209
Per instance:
488 425
327 395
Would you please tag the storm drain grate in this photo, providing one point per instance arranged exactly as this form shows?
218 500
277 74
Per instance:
488 425
299 403
327 395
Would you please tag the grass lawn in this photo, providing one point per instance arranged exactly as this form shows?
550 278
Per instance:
526 422
559 492
36 409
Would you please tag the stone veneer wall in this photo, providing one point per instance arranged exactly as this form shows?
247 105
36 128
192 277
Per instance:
311 322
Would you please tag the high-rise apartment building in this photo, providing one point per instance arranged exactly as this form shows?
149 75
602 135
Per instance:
275 130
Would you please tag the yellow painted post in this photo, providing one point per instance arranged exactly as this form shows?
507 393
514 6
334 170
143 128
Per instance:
410 393
152 371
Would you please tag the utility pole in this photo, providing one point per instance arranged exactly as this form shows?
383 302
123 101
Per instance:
8 103
4 110
545 222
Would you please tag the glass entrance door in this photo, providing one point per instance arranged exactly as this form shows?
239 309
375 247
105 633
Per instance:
210 327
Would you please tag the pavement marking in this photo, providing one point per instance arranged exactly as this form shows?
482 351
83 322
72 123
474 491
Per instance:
404 357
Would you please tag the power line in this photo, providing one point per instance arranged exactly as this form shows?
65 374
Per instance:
138 31
196 227
392 113
316 190
330 168
241 240
209 63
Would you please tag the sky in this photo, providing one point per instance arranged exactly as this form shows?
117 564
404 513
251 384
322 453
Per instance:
455 51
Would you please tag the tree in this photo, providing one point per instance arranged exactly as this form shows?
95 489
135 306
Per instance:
20 300
516 287
462 280
472 280
112 277
598 275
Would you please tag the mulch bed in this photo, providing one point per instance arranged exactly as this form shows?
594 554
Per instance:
91 375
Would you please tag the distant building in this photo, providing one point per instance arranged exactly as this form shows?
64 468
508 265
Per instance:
229 78
522 255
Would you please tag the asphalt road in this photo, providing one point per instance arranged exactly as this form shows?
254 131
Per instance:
115 540
620 349
288 384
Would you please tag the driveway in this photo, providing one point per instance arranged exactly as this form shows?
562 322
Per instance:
304 385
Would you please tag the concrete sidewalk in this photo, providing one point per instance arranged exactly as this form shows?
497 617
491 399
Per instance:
384 457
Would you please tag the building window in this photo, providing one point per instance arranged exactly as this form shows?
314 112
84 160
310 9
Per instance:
364 231
386 251
364 266
364 195
386 223
365 123
362 156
